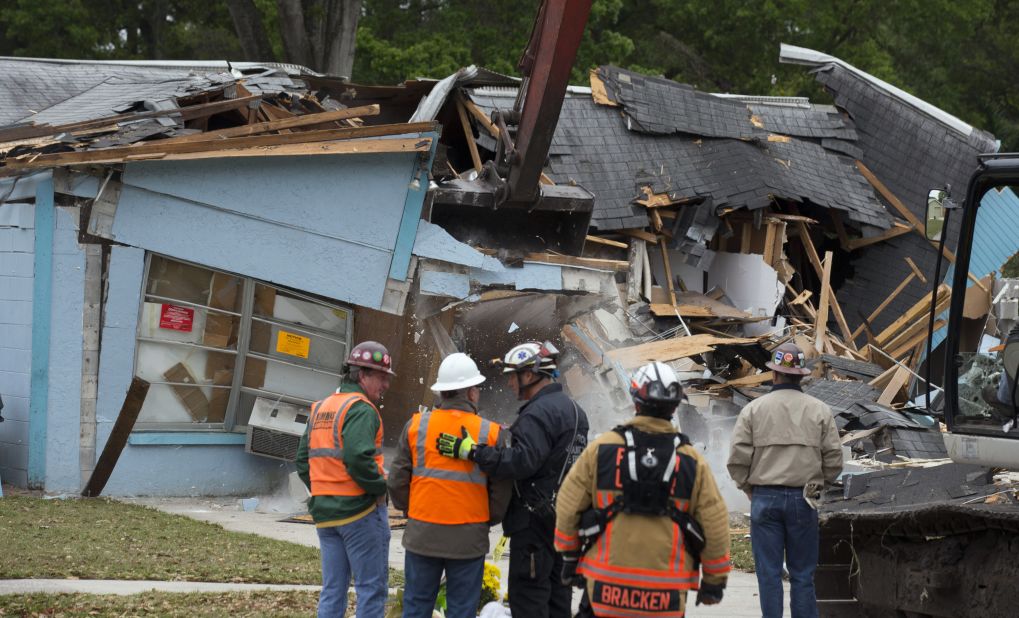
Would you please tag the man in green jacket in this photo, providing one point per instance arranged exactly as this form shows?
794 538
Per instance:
340 460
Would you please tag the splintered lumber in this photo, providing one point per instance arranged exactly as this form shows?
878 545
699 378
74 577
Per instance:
697 305
667 264
686 311
671 349
620 266
916 274
907 346
641 234
118 437
917 311
821 320
899 379
607 242
219 147
909 216
468 133
482 119
291 122
840 318
635 270
754 380
895 231
190 112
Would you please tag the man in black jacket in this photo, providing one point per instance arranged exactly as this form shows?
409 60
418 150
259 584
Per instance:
546 438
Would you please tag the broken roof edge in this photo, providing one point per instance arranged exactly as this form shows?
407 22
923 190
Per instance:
791 54
224 65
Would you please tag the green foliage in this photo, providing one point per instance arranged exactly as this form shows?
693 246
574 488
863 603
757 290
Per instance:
959 55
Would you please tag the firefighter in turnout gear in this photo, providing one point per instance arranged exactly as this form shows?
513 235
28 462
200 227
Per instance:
546 438
450 503
639 517
340 459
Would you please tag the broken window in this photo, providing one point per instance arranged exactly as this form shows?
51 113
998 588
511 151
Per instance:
211 343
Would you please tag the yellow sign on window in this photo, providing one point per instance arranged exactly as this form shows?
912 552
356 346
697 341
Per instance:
293 344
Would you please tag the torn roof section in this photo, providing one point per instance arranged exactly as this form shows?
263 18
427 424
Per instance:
911 146
741 152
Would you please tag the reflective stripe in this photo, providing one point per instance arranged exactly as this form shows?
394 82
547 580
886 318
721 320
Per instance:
672 463
614 612
486 426
631 456
624 574
325 452
475 476
719 569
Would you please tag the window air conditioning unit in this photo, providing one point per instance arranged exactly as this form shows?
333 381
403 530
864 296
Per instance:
275 429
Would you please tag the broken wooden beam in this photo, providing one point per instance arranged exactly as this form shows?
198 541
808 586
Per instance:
291 122
157 150
895 231
619 266
667 264
190 112
607 242
821 320
465 124
122 427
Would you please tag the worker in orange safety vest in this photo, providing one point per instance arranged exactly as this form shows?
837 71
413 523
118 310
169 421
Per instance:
450 503
340 460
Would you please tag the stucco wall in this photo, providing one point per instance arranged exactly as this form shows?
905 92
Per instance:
17 246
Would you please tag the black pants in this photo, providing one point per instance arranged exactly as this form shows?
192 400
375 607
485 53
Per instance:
535 589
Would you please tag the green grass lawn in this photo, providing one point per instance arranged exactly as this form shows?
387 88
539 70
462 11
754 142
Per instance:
177 605
742 557
103 539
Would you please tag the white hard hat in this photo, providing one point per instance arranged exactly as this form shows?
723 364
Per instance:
457 371
656 383
528 354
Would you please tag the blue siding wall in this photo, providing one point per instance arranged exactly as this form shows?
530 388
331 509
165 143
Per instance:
17 246
63 401
325 224
153 470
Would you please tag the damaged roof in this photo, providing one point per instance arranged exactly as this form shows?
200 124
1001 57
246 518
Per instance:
912 147
739 152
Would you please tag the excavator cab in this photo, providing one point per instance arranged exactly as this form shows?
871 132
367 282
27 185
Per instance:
980 348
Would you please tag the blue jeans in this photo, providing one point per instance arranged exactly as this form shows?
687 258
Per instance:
360 548
782 524
463 585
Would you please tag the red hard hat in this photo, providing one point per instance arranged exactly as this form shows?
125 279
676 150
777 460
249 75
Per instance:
371 355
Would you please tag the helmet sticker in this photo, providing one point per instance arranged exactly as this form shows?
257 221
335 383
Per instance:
366 355
522 355
377 356
385 359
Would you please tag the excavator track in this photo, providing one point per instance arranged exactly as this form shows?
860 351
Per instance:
918 543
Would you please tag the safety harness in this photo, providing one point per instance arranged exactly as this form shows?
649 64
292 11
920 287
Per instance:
647 479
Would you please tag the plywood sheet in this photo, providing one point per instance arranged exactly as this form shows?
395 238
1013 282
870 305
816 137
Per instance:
671 349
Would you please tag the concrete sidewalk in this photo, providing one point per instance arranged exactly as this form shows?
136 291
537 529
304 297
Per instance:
740 595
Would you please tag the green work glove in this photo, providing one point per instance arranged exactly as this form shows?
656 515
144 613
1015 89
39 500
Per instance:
452 446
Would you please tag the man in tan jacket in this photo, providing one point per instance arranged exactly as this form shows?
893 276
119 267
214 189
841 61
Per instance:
785 445
639 515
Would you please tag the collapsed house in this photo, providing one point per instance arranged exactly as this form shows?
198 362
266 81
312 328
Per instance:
224 232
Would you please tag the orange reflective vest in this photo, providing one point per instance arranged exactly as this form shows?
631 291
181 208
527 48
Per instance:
439 483
329 476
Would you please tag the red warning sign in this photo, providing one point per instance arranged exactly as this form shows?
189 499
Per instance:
175 317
